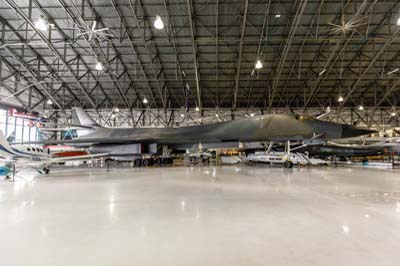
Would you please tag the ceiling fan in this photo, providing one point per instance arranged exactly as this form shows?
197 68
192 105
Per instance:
92 32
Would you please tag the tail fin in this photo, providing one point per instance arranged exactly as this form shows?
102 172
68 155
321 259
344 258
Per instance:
11 137
81 118
5 147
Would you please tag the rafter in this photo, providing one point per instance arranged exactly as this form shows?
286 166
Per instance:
194 49
19 11
296 20
240 52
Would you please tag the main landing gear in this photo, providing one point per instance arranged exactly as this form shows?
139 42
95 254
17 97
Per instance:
145 162
46 170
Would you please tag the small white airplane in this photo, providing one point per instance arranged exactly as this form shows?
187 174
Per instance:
32 158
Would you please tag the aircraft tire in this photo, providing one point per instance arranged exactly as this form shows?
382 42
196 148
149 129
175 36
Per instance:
288 164
151 161
47 171
137 163
146 162
158 161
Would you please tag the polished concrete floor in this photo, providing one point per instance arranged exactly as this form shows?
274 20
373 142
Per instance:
202 216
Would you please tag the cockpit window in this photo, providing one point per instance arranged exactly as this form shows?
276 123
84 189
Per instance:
29 149
33 149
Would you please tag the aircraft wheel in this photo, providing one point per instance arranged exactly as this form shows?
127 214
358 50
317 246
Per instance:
137 162
158 161
146 162
165 161
47 171
206 160
151 161
288 164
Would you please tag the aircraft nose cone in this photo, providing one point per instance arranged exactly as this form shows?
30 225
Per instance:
350 131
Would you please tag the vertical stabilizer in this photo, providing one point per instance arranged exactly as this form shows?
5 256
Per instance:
5 147
83 119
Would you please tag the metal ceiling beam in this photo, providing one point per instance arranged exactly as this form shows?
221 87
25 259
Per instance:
10 89
310 73
217 51
18 10
150 55
105 60
363 45
194 49
263 36
374 59
293 29
134 50
239 60
38 82
172 39
77 56
40 59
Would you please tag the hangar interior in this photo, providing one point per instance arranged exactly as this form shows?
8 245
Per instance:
199 132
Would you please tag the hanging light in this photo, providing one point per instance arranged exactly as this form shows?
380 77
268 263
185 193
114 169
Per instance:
398 22
340 99
145 100
98 66
49 102
252 114
393 114
216 115
197 109
158 23
41 24
360 107
116 109
259 64
182 115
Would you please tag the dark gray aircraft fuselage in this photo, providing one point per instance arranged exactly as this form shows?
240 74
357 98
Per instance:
273 127
265 128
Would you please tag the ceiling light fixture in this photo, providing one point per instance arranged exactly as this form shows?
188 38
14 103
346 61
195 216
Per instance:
49 102
158 23
393 114
116 109
145 101
360 107
197 109
398 22
41 24
182 115
340 99
252 114
259 64
322 72
278 15
216 115
99 66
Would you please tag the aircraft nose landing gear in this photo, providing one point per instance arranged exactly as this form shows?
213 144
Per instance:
288 164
